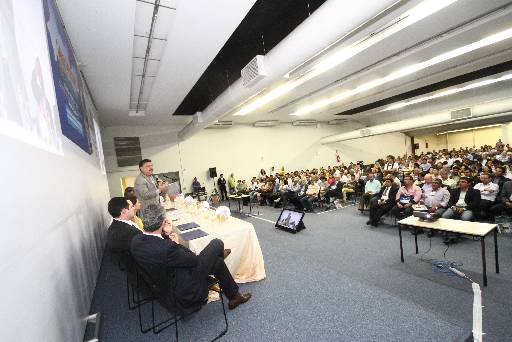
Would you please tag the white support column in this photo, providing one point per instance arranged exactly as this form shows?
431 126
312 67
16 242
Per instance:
506 137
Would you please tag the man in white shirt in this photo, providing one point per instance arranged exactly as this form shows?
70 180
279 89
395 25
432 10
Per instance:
488 192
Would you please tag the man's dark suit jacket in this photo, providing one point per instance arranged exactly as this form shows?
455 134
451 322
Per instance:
472 198
506 192
120 235
161 258
391 196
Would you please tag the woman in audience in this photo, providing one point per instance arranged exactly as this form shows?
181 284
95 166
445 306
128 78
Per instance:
349 187
129 194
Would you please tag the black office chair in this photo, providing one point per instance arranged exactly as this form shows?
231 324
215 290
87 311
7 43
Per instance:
164 292
125 263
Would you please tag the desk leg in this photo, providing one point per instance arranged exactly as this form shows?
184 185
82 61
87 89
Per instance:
401 248
229 203
239 207
416 239
496 250
484 266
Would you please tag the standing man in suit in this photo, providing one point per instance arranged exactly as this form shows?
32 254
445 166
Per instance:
148 187
158 256
122 229
221 182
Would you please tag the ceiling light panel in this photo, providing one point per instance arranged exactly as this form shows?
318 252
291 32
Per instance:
449 92
406 71
151 28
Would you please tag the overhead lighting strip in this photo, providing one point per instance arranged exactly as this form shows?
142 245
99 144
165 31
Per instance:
333 59
449 92
468 129
493 39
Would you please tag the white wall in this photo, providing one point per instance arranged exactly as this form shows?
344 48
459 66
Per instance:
244 150
53 226
477 138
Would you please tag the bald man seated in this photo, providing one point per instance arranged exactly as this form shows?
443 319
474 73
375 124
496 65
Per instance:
158 255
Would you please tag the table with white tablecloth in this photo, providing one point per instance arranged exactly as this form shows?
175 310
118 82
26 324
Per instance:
246 259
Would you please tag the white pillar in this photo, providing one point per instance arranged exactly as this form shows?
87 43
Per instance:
506 137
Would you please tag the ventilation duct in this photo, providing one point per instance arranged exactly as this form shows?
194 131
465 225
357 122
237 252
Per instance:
305 123
221 124
324 27
479 111
254 71
266 123
337 121
365 132
461 114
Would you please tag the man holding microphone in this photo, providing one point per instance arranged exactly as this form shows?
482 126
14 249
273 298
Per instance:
148 187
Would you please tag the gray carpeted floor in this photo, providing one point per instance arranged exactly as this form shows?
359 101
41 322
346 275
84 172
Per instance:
339 280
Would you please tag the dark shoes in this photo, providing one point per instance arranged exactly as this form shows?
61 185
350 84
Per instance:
239 299
226 253
369 222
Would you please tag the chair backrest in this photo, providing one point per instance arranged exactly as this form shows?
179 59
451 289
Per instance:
161 284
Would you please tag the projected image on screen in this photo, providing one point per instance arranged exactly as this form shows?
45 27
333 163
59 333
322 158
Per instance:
28 107
66 78
289 219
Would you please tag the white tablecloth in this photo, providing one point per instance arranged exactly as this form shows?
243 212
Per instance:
245 261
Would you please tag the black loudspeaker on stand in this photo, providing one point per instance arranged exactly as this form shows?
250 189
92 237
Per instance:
213 172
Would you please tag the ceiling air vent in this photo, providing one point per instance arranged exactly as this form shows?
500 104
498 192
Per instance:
461 114
337 121
365 132
221 124
305 123
266 123
254 71
127 151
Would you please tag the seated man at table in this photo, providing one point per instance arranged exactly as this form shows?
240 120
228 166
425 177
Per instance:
158 256
406 196
122 229
464 202
436 200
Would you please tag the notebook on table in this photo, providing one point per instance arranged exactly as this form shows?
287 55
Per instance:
193 234
187 226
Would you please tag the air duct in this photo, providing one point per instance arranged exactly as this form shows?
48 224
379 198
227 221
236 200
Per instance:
325 26
479 111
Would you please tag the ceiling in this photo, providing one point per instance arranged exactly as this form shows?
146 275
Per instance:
199 33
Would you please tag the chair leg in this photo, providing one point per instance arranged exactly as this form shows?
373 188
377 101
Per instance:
225 318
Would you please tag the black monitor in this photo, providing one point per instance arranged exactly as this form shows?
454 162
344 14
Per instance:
290 220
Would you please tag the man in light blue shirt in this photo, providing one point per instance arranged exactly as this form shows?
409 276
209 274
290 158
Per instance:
371 188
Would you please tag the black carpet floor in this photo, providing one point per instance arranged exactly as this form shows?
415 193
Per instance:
339 280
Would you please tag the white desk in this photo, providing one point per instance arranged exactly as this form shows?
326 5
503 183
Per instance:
478 229
246 259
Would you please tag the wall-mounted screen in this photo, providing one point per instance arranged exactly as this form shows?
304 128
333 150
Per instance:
28 107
